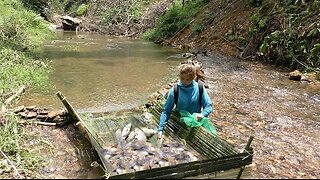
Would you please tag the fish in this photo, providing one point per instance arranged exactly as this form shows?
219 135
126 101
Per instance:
162 163
146 117
125 131
171 160
173 144
142 154
148 132
136 168
131 136
140 146
182 157
140 136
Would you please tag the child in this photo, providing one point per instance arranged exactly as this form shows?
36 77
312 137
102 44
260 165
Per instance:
188 98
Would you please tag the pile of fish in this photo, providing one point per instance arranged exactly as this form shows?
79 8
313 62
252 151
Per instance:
134 152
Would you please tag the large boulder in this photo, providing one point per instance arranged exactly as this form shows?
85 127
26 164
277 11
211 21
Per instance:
70 23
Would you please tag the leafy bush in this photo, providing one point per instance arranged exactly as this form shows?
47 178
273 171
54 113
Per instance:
82 9
21 29
176 18
197 28
287 33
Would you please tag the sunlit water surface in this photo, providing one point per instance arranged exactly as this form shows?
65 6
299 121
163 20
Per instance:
98 73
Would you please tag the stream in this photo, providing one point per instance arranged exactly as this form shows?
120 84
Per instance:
283 116
98 74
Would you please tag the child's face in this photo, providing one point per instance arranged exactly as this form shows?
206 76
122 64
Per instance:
185 79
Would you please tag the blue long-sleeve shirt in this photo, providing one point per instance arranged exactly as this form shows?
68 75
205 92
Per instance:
188 100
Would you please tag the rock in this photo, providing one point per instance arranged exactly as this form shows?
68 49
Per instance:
18 109
31 108
40 116
23 114
60 177
295 75
125 131
189 55
70 23
55 113
31 114
200 51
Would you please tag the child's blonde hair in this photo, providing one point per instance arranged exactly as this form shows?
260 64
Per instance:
189 70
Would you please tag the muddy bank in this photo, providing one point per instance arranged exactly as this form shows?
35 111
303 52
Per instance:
66 153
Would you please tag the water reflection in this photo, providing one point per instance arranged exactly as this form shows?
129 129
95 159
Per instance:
99 73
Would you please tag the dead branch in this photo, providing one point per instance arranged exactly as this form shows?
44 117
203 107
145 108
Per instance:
13 166
11 98
37 123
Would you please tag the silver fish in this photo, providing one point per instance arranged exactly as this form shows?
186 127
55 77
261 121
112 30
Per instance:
131 136
125 131
140 136
148 132
119 139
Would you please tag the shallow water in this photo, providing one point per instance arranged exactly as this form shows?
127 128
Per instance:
283 116
98 73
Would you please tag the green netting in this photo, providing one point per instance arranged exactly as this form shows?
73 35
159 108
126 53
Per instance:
192 121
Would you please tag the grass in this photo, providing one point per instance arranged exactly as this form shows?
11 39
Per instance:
18 69
11 140
22 32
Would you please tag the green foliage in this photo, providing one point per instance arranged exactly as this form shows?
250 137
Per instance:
21 32
230 35
287 32
315 55
254 3
176 18
82 9
11 138
18 69
197 28
109 15
21 29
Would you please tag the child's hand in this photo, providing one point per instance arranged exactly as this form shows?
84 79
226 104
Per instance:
160 135
160 139
199 116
